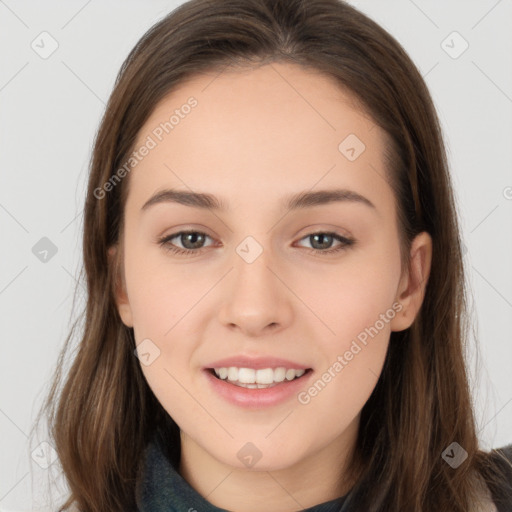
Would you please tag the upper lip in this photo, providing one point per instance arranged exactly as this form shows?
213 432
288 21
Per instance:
256 363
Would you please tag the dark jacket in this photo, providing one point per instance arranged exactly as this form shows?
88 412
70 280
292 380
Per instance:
160 488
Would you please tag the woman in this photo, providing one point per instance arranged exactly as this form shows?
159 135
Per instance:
225 366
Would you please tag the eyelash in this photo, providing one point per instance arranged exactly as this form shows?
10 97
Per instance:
165 243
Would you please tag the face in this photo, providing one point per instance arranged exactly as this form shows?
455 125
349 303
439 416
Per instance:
269 277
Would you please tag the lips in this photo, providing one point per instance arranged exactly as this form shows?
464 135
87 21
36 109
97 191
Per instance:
256 396
256 363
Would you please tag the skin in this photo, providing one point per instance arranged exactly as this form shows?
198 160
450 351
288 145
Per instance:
255 137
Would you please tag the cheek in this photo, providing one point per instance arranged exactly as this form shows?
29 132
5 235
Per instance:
165 302
163 305
159 294
357 306
352 296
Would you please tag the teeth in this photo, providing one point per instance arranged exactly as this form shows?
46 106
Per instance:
251 378
223 373
232 373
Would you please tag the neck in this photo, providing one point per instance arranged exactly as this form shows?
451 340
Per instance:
320 477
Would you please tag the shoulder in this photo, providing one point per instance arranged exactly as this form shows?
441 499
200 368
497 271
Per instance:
506 452
502 457
502 496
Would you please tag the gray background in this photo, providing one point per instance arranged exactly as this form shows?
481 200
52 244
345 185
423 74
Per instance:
51 108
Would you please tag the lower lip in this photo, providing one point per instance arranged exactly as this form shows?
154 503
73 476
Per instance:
257 398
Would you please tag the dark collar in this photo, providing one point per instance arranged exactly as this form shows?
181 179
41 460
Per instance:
160 488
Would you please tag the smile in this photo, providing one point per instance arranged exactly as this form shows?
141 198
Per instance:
257 379
269 386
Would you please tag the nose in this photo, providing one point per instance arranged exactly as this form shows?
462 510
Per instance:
256 299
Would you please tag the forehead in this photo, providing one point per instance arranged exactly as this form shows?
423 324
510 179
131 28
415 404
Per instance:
256 132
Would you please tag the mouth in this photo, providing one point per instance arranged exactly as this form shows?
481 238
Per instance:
258 379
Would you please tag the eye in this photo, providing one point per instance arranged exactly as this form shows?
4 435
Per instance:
192 242
323 239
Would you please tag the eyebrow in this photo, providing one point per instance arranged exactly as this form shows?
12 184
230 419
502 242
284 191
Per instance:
297 201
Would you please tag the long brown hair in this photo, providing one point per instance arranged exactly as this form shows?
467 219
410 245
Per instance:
101 412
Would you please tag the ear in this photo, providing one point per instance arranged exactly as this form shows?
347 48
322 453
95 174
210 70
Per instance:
412 286
120 295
